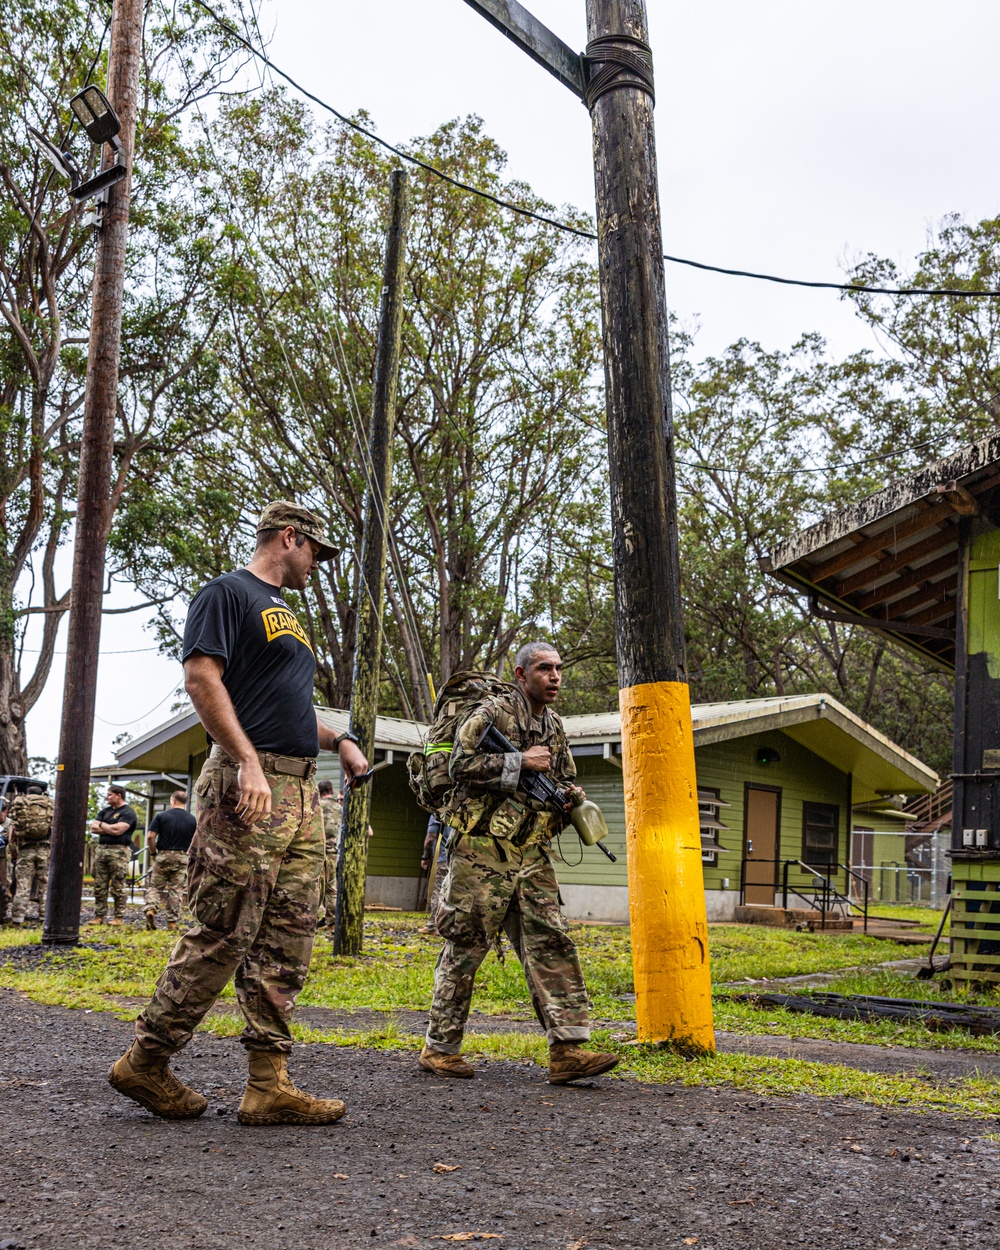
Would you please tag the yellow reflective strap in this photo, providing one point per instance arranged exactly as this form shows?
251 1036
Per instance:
433 747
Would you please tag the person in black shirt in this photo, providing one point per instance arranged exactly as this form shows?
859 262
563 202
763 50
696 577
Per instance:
115 825
257 857
167 841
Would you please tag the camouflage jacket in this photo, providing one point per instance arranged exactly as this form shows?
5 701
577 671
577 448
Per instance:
332 816
486 799
30 819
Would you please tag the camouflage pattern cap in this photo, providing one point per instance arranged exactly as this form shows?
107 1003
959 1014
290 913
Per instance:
281 513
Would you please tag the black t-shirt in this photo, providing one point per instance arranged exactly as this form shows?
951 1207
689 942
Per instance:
174 829
115 816
269 664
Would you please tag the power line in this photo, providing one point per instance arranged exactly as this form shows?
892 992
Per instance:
563 225
125 723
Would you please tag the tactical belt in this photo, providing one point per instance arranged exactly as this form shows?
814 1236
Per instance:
287 765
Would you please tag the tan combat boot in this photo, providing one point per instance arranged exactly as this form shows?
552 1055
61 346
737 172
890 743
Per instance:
271 1098
567 1062
172 924
445 1065
146 1079
116 920
150 919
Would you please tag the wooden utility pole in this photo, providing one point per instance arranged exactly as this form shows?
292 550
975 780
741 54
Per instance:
93 515
353 851
614 77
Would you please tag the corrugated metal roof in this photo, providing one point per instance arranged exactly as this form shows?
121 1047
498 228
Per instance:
891 561
796 715
391 733
846 739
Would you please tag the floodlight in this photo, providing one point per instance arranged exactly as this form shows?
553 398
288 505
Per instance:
61 162
92 110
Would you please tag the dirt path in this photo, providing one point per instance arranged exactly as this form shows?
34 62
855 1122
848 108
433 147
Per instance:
617 1166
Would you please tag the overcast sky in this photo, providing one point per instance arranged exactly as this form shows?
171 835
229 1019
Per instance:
792 138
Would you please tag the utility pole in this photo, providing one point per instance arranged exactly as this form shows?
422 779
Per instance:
353 851
93 519
614 77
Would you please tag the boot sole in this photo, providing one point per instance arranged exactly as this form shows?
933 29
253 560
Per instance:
259 1120
462 1076
584 1076
149 1104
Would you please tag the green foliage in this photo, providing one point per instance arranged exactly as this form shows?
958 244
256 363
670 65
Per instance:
248 345
169 377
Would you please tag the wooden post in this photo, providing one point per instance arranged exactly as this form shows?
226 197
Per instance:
666 885
93 515
352 859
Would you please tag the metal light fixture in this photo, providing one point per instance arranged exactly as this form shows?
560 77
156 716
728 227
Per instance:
92 110
94 113
62 162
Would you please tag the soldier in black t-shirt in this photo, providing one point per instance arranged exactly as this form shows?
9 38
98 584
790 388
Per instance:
256 861
167 839
115 825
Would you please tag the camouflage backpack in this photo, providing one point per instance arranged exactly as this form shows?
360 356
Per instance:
31 817
430 780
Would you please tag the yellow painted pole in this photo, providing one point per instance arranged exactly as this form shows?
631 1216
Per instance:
673 990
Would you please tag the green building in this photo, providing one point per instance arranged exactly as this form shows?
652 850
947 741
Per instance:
782 783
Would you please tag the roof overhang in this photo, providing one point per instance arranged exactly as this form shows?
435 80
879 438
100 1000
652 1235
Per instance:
817 721
169 747
891 562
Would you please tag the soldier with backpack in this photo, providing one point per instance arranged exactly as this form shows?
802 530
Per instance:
30 833
500 874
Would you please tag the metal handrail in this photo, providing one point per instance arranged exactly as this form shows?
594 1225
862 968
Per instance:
829 892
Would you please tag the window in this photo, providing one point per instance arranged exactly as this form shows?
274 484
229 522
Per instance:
820 825
709 804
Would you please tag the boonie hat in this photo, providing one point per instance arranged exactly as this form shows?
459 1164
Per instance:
281 513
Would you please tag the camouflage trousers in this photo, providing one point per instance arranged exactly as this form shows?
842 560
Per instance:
110 869
167 882
32 878
254 893
488 889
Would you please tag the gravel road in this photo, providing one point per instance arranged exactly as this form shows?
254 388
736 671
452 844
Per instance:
613 1166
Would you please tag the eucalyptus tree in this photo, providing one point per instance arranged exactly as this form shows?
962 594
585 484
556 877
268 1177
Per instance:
498 434
47 51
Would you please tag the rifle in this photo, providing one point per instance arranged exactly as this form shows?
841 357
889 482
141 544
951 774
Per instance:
586 817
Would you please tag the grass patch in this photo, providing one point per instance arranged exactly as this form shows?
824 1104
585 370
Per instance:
927 917
396 973
396 970
975 1097
879 982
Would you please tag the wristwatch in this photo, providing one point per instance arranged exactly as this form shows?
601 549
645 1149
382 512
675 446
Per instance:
345 737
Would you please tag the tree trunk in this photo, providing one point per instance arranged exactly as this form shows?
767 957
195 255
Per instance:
13 748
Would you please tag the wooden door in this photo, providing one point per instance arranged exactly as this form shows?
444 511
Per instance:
760 857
